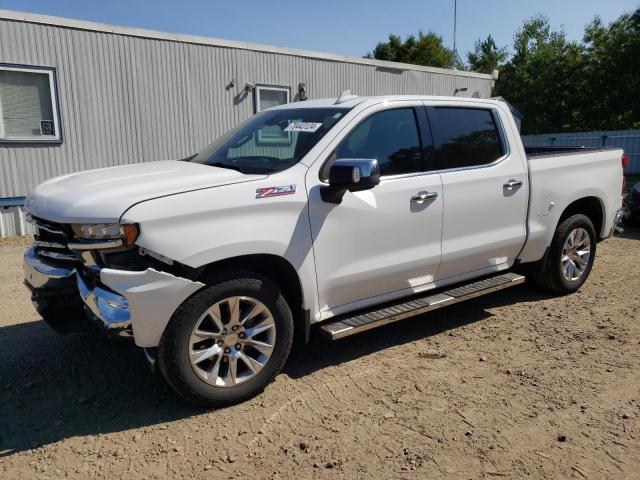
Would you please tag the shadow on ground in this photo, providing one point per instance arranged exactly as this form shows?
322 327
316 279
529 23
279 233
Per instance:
631 232
55 387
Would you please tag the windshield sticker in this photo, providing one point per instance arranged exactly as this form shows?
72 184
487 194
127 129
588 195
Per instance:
303 127
275 191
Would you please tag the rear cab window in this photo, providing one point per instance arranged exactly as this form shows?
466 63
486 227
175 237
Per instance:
465 136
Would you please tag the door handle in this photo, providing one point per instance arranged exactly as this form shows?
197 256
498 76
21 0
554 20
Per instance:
420 197
512 184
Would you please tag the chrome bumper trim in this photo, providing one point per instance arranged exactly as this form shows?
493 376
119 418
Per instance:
42 275
95 244
44 225
40 243
62 257
109 308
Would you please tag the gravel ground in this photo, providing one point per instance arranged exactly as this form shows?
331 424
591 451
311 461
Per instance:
514 384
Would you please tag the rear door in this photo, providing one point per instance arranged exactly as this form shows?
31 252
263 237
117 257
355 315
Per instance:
485 189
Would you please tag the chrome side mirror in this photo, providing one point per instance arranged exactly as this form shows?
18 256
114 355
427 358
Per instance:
350 174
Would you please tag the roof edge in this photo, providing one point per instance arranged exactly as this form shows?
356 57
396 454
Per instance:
37 18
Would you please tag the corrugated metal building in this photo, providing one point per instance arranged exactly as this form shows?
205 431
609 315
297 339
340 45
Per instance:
76 95
627 140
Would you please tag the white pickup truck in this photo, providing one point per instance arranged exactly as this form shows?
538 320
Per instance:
339 214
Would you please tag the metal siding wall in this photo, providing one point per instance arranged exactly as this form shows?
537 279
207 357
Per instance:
628 140
13 222
126 99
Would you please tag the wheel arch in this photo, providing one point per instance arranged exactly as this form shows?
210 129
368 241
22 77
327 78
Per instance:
590 206
281 272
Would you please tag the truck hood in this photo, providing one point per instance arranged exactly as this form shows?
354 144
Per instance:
103 195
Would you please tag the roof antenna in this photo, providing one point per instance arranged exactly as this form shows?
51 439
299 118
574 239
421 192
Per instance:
345 96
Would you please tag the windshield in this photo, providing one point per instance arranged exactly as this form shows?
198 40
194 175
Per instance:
271 141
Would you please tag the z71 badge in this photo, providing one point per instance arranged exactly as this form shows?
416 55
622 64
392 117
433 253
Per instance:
275 191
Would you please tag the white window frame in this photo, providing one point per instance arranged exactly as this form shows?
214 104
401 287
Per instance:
53 90
285 140
277 88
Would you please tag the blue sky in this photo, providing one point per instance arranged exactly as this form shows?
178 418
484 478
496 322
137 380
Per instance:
344 27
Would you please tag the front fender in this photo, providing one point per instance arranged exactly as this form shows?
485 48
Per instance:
202 227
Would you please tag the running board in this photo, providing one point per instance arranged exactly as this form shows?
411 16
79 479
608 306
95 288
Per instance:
415 306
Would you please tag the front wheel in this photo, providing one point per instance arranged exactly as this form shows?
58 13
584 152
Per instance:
570 257
227 342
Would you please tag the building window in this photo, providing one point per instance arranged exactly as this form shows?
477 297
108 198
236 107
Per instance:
267 96
28 105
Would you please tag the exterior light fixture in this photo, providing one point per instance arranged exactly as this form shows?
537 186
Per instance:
302 92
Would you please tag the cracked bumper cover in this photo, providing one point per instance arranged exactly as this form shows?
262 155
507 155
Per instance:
146 301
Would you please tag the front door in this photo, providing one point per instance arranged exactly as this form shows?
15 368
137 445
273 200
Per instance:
381 243
485 188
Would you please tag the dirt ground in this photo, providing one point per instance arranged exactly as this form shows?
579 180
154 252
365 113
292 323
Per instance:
514 384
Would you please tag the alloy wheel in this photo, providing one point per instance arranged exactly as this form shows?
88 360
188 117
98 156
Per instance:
232 341
576 253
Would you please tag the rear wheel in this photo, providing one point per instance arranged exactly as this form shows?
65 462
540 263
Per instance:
227 342
570 257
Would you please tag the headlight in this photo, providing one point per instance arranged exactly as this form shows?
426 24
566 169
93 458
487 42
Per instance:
107 231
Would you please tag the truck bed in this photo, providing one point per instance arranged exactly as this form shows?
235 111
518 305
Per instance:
537 151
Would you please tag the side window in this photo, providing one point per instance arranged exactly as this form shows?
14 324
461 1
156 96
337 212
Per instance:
466 137
391 137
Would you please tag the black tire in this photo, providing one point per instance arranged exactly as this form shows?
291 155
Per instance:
63 314
547 274
173 351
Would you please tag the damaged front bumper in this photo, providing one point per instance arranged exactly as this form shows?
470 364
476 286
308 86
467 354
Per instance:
106 308
123 303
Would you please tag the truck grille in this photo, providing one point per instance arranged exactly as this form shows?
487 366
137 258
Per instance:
51 241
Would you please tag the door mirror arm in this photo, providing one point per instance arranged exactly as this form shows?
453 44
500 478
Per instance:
350 174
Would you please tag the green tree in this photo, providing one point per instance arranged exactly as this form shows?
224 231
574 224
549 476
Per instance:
613 73
559 85
545 78
486 56
425 49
